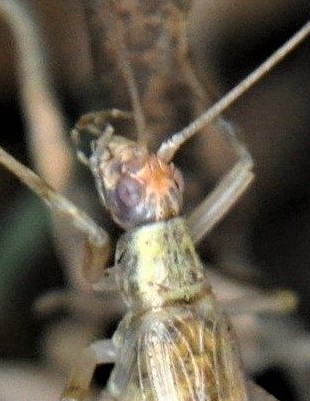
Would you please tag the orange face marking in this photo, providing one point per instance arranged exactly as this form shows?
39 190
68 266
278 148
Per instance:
156 176
162 183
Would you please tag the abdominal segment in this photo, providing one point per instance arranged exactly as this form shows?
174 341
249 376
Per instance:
177 353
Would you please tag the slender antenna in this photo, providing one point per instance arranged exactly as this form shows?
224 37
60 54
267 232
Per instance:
171 146
127 71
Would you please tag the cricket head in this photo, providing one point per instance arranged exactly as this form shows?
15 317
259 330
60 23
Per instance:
135 186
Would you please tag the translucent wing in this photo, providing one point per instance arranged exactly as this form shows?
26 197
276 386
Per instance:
182 354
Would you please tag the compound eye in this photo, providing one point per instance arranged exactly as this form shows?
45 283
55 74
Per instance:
129 191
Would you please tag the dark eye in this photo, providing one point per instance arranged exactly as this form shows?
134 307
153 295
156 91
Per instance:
129 191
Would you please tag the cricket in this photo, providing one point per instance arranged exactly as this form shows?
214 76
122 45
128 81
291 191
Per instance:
174 342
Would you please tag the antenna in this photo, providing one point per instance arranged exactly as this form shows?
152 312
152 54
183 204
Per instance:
168 148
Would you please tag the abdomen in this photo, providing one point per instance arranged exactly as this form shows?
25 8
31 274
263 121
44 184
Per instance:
177 353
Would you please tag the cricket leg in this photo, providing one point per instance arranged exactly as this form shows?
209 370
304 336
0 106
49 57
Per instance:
95 124
97 242
100 352
233 184
274 302
231 187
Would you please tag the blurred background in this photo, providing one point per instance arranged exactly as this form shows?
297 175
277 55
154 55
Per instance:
263 244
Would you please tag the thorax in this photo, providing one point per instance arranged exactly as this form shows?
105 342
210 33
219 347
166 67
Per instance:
158 265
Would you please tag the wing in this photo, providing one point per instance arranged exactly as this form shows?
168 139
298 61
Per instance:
182 356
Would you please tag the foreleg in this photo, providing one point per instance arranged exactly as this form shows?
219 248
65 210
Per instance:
100 352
